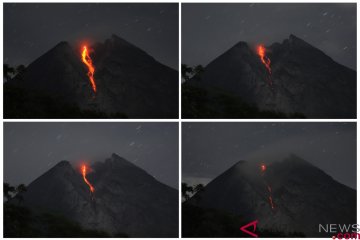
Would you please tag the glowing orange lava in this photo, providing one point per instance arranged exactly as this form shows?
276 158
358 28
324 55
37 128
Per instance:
263 167
264 59
83 171
268 187
261 51
85 57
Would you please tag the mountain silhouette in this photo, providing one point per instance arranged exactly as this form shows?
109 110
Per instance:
303 80
128 80
126 199
302 196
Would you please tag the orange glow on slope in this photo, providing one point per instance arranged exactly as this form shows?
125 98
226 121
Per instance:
83 171
265 60
268 187
261 51
85 57
263 167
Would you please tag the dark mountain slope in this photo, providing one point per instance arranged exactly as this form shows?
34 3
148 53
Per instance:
128 80
126 199
131 79
303 80
303 196
59 73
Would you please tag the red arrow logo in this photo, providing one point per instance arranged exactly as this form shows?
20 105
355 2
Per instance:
244 228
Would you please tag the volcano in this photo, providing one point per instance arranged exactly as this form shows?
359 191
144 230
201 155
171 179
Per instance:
295 78
128 81
126 199
302 197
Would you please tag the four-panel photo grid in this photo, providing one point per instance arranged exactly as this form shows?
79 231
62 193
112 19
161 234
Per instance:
179 120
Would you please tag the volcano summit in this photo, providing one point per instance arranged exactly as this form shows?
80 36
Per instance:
110 79
115 197
288 79
290 197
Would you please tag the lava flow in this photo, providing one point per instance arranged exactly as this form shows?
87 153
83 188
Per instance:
263 169
271 203
83 171
85 57
261 51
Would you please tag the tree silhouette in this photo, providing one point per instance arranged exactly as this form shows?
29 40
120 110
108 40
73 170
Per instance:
20 69
197 71
8 72
8 191
186 71
185 189
19 190
198 188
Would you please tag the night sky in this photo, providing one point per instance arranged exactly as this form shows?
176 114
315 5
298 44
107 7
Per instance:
32 29
208 30
211 148
30 149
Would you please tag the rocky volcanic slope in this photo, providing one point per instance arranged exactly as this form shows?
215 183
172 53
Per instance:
126 199
128 80
60 73
304 79
303 196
